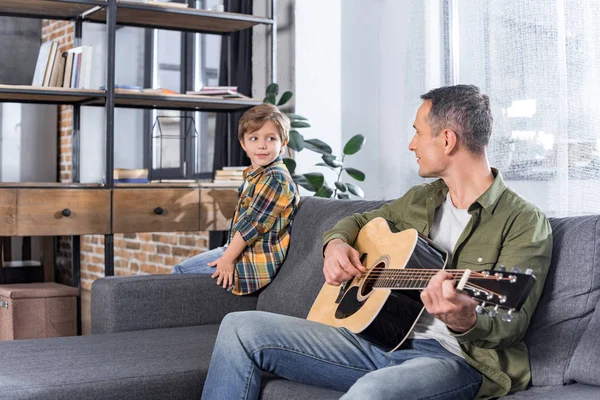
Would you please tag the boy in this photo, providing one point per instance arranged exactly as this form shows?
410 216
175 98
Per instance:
260 231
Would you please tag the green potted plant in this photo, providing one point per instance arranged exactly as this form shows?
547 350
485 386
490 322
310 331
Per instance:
315 181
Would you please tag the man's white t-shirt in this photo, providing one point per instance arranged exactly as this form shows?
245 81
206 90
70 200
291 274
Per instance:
448 224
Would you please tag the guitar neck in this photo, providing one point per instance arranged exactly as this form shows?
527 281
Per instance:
417 279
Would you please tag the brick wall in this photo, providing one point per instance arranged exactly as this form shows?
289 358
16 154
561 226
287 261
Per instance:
139 253
135 254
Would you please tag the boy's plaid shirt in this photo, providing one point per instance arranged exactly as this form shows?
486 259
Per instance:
265 209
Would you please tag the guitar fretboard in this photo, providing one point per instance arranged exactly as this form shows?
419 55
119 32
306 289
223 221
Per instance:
414 278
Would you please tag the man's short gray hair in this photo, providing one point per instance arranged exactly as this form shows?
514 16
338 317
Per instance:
465 110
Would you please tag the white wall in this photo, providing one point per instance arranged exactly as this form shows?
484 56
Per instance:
318 76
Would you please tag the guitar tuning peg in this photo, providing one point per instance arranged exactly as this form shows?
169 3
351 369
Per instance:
480 309
502 268
494 312
515 270
508 316
528 271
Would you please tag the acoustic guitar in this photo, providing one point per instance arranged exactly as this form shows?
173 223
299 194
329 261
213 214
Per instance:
384 304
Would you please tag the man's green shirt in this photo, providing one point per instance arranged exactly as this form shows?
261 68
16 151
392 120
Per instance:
504 229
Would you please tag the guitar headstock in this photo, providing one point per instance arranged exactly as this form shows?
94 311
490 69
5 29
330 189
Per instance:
503 289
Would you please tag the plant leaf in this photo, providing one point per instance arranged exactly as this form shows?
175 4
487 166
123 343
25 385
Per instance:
300 124
302 181
341 186
290 164
324 191
273 89
356 174
354 144
322 164
271 99
355 190
296 141
285 97
332 161
343 196
296 117
316 179
317 146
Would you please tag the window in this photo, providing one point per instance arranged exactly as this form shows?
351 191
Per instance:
181 144
538 63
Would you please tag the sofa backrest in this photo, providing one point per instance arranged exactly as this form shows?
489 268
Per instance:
570 295
300 278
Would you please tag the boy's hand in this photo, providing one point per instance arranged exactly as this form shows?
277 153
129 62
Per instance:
223 271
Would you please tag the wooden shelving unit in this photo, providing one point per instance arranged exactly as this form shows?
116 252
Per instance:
75 209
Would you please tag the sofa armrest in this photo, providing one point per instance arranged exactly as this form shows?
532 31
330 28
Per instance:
161 301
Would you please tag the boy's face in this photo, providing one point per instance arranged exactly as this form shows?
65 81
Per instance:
263 146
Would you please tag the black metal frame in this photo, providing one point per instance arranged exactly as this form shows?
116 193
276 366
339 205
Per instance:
108 99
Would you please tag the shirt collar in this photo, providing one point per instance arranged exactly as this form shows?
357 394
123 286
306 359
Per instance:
250 173
488 200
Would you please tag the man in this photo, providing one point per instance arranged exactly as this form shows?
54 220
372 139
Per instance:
453 352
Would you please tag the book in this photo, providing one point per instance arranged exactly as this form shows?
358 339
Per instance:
215 92
228 182
85 78
159 91
52 58
123 173
40 65
131 180
230 172
166 4
234 168
68 70
58 82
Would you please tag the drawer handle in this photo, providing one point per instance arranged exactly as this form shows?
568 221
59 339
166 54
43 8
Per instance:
158 211
66 212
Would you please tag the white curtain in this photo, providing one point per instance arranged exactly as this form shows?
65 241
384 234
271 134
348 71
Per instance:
539 62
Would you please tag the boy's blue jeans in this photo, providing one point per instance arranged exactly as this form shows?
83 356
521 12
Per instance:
334 358
199 263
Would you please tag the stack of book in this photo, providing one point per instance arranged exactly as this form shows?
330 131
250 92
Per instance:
217 91
70 69
233 176
122 175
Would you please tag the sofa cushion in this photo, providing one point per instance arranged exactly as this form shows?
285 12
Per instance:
276 388
152 364
566 392
300 278
585 363
570 295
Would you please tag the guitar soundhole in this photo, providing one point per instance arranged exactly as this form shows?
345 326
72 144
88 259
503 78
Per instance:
372 279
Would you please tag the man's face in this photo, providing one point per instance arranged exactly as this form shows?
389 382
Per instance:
429 149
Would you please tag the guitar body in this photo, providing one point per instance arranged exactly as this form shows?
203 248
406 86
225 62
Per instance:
381 315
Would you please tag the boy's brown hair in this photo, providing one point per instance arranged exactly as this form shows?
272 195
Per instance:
257 116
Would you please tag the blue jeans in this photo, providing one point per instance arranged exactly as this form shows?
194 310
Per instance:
199 263
333 358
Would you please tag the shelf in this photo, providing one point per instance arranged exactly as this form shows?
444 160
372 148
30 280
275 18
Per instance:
50 95
85 97
48 9
178 18
182 102
49 185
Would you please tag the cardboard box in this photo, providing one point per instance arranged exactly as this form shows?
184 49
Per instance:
37 310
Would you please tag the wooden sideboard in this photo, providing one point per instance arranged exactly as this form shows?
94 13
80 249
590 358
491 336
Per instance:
53 210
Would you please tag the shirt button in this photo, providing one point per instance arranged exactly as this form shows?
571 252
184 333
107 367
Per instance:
480 259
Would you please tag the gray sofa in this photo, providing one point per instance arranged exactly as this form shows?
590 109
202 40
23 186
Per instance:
153 335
